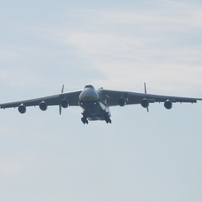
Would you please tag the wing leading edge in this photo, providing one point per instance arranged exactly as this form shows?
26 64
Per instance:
113 97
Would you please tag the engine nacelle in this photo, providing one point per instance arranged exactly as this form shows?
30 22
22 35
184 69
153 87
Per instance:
168 104
43 106
64 103
22 109
121 102
145 103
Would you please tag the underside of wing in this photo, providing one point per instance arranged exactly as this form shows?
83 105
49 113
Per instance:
114 98
70 99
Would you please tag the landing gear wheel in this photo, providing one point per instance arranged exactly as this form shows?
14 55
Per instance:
84 120
108 120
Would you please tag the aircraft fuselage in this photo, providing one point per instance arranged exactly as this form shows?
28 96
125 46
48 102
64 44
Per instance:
94 108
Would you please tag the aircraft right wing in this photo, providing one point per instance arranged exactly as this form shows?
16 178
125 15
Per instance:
122 98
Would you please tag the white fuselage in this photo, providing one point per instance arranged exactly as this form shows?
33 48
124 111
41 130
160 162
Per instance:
93 107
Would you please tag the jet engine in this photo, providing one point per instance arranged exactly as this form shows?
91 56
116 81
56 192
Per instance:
121 102
22 109
145 103
43 106
168 104
64 103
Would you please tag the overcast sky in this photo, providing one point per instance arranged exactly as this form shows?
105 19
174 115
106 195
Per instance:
118 45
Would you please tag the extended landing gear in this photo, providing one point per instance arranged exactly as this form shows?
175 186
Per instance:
108 120
84 120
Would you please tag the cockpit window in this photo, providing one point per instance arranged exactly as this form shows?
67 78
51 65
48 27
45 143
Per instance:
88 86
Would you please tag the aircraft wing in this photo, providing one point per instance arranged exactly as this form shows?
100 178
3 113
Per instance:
71 97
112 97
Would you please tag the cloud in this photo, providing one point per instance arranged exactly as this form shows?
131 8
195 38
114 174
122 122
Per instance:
16 165
123 47
165 13
131 46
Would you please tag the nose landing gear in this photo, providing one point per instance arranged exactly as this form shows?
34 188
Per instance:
84 119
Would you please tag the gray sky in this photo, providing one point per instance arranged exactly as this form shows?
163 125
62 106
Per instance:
119 45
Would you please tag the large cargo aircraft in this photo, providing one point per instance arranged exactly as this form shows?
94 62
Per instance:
96 103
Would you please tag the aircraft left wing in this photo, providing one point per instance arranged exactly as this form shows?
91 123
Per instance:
114 98
69 99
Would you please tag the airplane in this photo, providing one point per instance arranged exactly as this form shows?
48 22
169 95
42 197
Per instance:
96 103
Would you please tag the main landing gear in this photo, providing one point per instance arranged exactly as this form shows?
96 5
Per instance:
108 120
84 120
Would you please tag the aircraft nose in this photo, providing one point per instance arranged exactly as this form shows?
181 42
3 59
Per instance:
88 94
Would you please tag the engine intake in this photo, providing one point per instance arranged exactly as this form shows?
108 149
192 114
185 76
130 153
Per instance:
168 104
145 103
64 103
22 109
43 106
121 102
